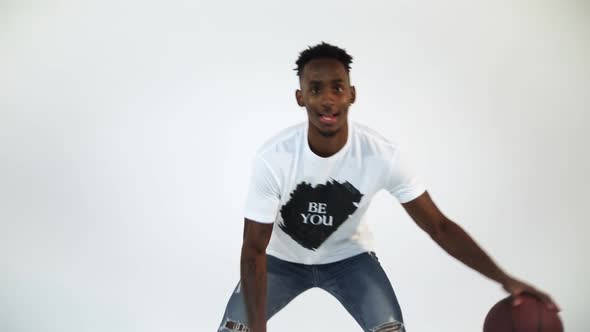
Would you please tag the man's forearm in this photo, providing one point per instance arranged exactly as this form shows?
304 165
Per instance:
253 283
454 240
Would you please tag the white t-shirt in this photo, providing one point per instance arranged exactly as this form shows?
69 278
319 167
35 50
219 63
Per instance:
318 204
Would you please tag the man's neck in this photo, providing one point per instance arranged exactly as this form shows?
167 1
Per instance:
326 146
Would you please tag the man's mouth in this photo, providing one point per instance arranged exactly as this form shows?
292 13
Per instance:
329 118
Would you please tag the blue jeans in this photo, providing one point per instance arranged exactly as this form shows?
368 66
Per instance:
358 282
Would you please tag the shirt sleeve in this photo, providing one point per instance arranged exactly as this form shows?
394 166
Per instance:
263 198
401 182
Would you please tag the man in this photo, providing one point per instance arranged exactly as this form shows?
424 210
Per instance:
313 182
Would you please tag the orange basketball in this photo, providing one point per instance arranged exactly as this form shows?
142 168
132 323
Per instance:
531 315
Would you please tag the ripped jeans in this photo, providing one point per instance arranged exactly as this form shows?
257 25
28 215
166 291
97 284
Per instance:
358 283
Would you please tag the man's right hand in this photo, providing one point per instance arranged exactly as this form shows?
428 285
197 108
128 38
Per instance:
253 272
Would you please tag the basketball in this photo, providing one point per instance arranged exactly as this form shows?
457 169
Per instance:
531 315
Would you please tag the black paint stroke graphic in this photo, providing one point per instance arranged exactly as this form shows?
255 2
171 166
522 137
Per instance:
341 201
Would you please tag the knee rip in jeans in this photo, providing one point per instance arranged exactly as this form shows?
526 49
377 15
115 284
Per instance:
389 327
231 325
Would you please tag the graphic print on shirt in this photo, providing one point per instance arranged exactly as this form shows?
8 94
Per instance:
312 214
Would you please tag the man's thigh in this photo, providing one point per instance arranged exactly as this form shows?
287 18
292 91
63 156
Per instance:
363 288
285 281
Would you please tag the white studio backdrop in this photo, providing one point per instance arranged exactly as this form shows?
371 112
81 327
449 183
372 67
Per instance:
127 129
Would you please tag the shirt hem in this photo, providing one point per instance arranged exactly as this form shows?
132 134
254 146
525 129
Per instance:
331 259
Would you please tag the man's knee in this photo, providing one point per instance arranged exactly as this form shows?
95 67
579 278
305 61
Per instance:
389 327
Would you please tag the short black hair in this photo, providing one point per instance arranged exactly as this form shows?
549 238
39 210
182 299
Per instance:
323 50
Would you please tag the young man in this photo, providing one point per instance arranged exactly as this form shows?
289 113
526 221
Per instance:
313 182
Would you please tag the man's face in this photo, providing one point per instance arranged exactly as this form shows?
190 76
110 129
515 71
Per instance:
326 94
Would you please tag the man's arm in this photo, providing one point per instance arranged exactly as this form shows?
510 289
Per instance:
253 272
455 241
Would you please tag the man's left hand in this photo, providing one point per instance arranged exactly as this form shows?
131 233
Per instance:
517 288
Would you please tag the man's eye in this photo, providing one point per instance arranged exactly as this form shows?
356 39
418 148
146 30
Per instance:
315 91
339 89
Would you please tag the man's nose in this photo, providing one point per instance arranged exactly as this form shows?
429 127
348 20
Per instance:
327 99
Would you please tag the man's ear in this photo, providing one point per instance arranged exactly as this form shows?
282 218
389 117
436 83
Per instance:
352 94
299 98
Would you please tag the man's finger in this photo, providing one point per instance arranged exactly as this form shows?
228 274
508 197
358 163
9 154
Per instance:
517 299
550 303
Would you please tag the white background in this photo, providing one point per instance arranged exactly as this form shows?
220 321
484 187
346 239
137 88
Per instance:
127 130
